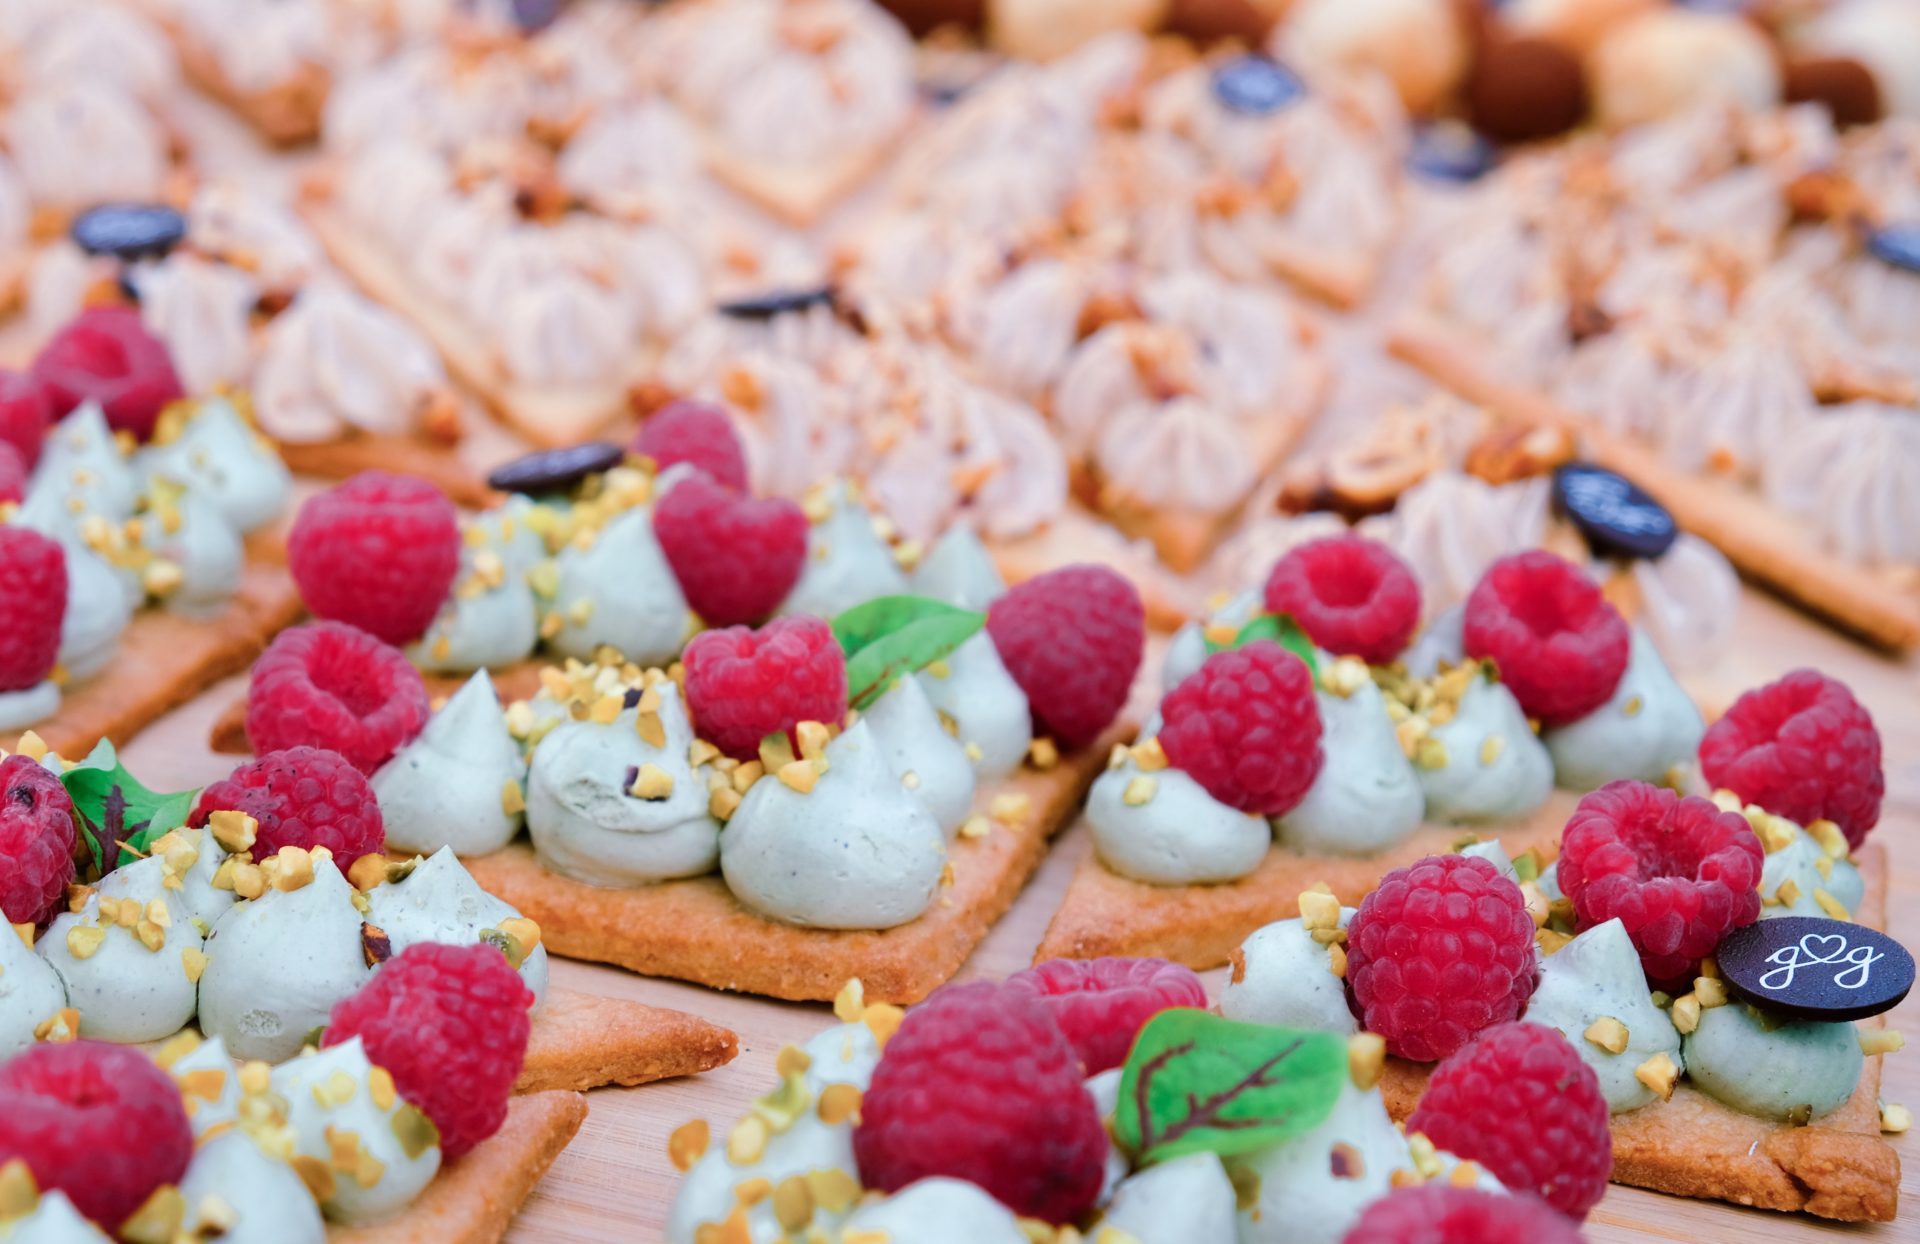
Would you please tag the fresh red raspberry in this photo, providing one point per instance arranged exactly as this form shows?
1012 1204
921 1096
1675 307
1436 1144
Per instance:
1802 748
379 551
1519 1101
696 434
302 797
1441 951
33 603
329 685
98 1122
450 1024
736 558
13 474
36 842
1102 1004
1443 1214
743 685
979 1084
107 355
1561 647
1072 638
1246 727
1351 595
1680 874
25 414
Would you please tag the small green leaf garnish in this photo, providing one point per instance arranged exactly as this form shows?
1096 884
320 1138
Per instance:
1282 630
891 636
1197 1082
115 811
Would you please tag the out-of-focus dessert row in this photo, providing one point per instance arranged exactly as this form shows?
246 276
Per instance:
1077 275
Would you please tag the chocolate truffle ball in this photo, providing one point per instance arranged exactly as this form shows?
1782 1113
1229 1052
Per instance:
1883 36
1044 29
1844 85
1664 62
1420 45
1524 88
922 16
1207 20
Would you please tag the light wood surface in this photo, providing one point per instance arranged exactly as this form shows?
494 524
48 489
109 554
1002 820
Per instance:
615 1182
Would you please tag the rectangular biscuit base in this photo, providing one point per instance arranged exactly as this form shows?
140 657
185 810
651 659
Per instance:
548 415
1105 914
474 1200
1693 1146
695 930
581 1041
1765 543
439 464
164 660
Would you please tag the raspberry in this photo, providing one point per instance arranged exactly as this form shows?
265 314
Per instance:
1441 951
33 602
1351 595
1519 1101
25 415
1802 748
699 435
743 685
1678 873
735 558
302 797
1246 727
979 1084
107 355
1560 646
329 685
99 1122
36 842
1443 1214
450 1024
1072 638
1101 1005
13 474
379 551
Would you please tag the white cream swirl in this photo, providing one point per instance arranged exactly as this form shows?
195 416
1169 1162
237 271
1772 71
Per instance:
86 141
1853 474
335 362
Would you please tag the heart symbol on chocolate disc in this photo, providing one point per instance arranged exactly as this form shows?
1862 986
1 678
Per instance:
1808 943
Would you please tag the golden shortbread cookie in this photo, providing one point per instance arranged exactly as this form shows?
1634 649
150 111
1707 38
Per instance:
696 930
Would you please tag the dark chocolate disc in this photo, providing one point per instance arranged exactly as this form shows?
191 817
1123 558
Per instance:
532 16
1809 967
778 302
1897 244
1255 85
554 470
1614 514
1450 151
129 230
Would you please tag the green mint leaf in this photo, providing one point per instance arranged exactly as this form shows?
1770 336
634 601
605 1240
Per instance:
1197 1082
1282 630
891 636
114 808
